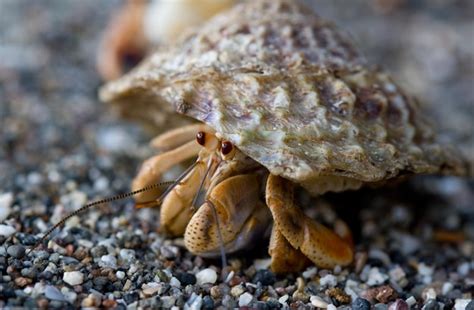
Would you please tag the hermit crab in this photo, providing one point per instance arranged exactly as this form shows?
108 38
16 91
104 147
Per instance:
282 98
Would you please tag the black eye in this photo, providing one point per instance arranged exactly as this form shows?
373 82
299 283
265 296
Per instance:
226 147
201 138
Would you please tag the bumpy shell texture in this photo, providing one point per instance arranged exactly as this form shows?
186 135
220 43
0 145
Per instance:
292 92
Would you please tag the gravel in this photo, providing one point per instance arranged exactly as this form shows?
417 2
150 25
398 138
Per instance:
414 241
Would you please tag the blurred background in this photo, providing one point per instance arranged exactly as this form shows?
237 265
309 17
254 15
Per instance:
59 146
48 82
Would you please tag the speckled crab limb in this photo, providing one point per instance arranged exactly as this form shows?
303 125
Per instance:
152 169
241 217
176 209
322 246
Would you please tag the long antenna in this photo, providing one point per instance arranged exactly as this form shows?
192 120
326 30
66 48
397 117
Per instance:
95 203
193 204
219 235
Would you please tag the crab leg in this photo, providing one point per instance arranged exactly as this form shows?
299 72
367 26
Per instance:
240 218
176 209
154 167
322 246
285 258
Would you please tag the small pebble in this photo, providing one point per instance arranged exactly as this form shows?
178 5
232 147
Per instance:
175 282
109 261
245 299
265 276
120 275
207 303
361 304
318 302
283 299
462 304
53 293
186 278
237 290
410 301
6 199
73 278
431 305
380 307
17 251
6 230
328 280
207 275
399 304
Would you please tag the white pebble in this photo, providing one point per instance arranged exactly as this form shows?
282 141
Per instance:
245 299
175 282
73 277
463 269
151 288
6 200
425 270
461 304
262 263
283 299
127 255
207 275
109 261
6 230
120 275
328 280
429 294
310 273
318 302
331 307
447 287
194 302
410 301
396 274
375 277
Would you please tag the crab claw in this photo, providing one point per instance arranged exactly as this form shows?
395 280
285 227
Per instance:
318 243
232 216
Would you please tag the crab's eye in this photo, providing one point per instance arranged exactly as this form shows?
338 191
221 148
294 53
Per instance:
227 149
207 140
201 138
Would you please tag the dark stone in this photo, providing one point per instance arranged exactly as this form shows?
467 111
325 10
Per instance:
399 304
186 278
266 277
470 305
46 275
432 305
207 303
131 297
261 305
361 304
17 251
99 251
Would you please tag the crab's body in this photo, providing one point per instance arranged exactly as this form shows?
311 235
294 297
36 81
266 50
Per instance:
293 94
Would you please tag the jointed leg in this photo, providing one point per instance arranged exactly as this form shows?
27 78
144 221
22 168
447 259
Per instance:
153 168
285 258
321 245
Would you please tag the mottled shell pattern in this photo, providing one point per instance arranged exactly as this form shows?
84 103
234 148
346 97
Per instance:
292 92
